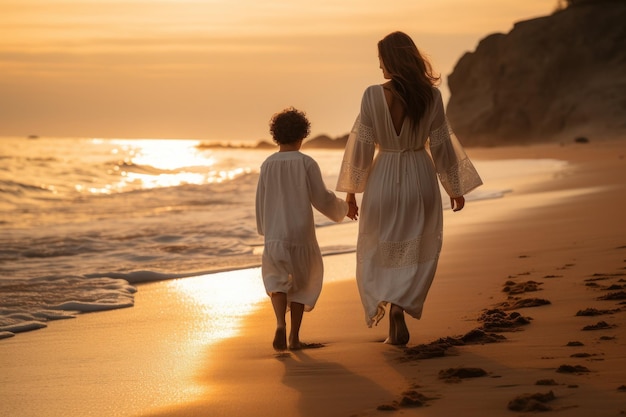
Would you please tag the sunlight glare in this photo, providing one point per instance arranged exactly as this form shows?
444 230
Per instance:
223 299
166 154
149 164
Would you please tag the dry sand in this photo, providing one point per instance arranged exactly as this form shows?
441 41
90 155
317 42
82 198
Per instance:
560 239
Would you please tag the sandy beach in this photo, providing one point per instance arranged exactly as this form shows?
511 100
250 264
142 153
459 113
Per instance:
527 311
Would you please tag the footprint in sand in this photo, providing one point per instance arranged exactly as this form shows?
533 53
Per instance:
546 382
497 320
572 369
614 296
457 374
531 402
442 346
513 287
601 325
410 399
523 303
590 312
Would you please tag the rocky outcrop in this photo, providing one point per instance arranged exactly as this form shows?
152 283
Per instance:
326 142
550 78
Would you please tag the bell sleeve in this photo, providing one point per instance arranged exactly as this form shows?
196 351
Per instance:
359 153
454 168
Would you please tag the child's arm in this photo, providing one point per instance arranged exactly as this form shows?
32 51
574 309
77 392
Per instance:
322 198
259 206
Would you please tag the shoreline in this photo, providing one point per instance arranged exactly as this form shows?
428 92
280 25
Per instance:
558 233
531 238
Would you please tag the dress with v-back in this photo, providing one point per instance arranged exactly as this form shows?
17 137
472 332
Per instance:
401 219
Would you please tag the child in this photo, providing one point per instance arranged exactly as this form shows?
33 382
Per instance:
289 184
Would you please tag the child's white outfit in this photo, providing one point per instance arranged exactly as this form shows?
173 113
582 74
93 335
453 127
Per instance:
290 184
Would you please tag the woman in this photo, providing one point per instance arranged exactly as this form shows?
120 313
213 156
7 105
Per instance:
401 224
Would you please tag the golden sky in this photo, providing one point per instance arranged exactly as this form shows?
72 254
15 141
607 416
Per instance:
216 69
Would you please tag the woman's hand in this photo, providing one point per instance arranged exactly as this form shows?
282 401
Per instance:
457 203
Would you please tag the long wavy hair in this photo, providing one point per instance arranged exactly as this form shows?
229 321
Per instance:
412 75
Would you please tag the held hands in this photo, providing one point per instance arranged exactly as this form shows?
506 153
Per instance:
457 203
353 209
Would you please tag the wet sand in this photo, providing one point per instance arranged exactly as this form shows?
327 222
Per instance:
532 261
526 314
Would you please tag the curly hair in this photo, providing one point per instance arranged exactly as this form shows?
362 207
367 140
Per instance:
289 126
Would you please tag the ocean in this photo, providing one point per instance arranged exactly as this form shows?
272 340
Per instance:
84 221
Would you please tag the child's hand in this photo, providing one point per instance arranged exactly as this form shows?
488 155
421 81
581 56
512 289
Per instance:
353 210
457 203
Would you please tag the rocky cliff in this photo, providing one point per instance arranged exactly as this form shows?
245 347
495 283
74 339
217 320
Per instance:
551 78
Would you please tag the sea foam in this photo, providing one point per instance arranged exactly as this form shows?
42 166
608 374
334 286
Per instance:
28 304
85 220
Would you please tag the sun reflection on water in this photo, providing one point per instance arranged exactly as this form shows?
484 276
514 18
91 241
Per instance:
158 163
165 154
223 299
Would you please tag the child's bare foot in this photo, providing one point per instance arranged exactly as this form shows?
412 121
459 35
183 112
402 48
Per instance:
294 343
280 339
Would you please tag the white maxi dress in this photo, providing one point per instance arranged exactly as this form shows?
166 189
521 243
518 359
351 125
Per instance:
290 184
401 217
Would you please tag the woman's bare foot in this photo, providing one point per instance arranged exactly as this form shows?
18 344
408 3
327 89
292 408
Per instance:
391 339
398 332
280 339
